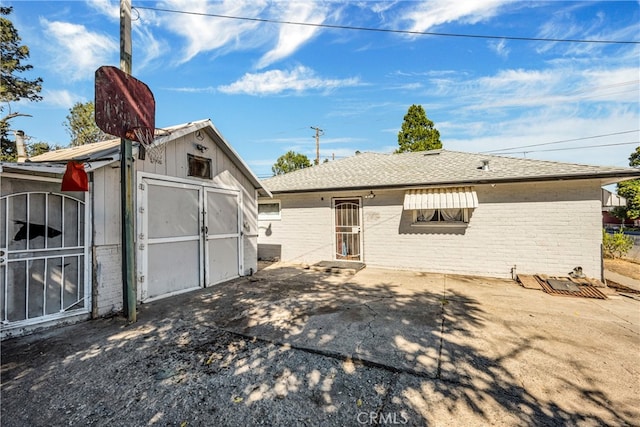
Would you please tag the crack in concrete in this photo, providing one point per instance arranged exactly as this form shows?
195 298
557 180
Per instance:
387 397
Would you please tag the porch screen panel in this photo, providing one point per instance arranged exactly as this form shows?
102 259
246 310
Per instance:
17 291
37 227
17 222
55 273
54 220
35 288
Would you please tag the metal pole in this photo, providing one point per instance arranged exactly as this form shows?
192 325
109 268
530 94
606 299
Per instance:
126 181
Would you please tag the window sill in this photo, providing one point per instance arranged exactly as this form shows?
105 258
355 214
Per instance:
441 224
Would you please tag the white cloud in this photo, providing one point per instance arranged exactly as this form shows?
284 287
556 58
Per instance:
291 37
153 48
108 8
500 48
208 33
271 82
426 15
77 51
61 98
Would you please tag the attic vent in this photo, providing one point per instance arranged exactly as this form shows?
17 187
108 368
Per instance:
485 165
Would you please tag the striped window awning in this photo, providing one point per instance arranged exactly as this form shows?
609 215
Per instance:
441 198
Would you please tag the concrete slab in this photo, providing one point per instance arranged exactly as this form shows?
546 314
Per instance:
293 346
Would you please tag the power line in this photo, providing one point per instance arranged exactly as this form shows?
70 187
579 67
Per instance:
570 148
383 30
560 142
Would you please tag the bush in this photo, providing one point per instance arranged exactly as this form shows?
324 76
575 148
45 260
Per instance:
616 245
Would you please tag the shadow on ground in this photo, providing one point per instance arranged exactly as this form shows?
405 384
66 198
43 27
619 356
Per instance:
296 347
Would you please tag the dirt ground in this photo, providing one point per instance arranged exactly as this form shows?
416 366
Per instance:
624 267
295 347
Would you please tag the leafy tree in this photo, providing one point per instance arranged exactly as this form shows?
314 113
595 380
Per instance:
13 87
82 126
630 190
290 161
417 132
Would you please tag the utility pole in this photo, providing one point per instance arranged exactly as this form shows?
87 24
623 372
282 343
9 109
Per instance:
129 297
319 133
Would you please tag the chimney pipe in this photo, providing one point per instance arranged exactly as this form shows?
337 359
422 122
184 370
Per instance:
21 147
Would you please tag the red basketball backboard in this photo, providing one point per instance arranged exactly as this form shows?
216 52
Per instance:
122 103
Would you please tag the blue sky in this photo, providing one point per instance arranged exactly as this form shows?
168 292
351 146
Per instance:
264 85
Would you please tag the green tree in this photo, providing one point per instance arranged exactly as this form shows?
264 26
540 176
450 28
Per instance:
81 125
290 161
417 132
39 148
630 190
13 87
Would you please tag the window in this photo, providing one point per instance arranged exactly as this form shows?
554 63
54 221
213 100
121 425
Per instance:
269 210
199 167
440 216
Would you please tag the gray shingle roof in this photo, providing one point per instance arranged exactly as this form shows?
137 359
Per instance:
436 167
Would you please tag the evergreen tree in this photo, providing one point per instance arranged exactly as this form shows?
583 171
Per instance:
13 87
418 132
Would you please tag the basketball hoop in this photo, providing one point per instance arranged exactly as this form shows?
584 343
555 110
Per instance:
145 136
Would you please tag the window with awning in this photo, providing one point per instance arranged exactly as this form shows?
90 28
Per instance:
441 205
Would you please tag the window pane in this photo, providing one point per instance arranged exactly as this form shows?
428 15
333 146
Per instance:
268 210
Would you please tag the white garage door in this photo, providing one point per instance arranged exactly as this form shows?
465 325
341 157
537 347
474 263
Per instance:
189 237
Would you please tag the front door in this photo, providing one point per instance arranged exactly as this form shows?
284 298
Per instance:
348 244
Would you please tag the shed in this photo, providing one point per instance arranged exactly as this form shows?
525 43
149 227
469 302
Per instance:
440 211
196 225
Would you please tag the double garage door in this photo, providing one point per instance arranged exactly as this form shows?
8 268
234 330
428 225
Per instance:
189 236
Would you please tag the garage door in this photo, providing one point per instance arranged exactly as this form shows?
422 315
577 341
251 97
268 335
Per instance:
189 237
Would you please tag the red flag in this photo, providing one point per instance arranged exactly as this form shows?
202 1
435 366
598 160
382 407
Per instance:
75 178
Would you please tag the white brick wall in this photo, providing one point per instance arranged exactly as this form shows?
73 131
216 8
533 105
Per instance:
108 279
547 228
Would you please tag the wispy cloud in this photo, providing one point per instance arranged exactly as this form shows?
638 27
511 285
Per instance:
422 16
291 37
78 52
207 33
500 48
108 8
298 80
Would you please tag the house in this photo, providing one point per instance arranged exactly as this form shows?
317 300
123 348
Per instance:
195 226
440 211
611 201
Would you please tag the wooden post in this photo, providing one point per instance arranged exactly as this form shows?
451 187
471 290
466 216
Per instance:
129 294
